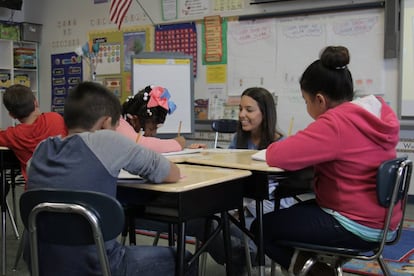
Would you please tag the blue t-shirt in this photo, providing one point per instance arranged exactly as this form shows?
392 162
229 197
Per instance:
88 161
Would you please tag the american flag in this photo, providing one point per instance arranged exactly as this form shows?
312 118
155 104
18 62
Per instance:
118 10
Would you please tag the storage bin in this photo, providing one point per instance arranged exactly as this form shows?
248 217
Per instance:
22 79
5 80
30 31
25 58
10 31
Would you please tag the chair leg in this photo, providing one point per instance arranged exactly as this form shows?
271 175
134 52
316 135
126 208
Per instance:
384 266
13 190
203 264
19 252
307 266
273 268
242 220
247 253
13 222
156 238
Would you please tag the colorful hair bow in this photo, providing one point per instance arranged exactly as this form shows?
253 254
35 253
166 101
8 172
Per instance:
160 96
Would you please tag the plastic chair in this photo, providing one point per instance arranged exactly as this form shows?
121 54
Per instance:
223 126
393 180
70 218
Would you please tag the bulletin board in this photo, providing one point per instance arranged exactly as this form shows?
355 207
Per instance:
273 53
173 71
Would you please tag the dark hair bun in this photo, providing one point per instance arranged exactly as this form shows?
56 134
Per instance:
335 57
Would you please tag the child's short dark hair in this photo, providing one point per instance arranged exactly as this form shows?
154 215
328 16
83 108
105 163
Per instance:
19 101
87 103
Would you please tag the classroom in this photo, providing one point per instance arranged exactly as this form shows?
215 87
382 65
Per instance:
210 51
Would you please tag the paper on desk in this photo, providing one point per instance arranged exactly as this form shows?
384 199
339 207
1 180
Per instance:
181 152
260 155
126 175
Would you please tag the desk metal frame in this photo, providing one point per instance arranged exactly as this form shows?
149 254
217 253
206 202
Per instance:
181 206
256 187
7 161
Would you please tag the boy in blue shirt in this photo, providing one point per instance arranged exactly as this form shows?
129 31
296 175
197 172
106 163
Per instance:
90 158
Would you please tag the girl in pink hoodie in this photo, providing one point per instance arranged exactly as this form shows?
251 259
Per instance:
345 144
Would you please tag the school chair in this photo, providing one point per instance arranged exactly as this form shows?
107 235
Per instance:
393 181
223 126
70 218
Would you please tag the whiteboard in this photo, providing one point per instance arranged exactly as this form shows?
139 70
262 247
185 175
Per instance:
173 71
273 53
407 60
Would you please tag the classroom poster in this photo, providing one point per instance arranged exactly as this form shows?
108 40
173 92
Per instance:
194 8
249 66
66 72
116 50
134 43
181 38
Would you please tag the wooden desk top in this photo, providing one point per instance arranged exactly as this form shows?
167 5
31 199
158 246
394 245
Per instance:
193 177
235 159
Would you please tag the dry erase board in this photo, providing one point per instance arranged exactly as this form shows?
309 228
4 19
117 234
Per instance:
173 71
273 53
407 61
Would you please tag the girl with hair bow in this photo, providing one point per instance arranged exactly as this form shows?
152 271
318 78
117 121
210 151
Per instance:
146 112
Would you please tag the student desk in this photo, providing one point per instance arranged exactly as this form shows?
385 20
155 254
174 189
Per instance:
256 187
7 161
202 191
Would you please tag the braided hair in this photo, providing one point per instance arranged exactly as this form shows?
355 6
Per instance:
150 104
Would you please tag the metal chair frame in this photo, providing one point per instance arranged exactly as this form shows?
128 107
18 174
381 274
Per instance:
89 217
223 126
393 181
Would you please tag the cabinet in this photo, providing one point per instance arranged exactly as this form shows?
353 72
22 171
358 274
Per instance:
18 64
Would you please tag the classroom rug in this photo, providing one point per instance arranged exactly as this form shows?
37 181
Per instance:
399 257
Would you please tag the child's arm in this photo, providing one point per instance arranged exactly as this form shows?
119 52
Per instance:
159 145
181 141
174 174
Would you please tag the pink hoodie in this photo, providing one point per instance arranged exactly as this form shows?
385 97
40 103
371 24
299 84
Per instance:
345 145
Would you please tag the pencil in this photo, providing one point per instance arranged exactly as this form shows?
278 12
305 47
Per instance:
179 128
291 126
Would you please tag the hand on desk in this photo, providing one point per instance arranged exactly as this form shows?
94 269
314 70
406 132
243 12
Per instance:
197 146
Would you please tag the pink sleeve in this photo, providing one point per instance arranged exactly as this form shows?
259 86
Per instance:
153 143
318 143
159 145
127 130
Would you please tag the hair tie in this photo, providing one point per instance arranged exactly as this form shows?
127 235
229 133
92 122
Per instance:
341 67
145 98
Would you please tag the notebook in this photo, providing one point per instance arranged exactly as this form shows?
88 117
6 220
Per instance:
126 175
181 152
260 155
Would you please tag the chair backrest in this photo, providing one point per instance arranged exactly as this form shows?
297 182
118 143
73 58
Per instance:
393 181
223 126
71 217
